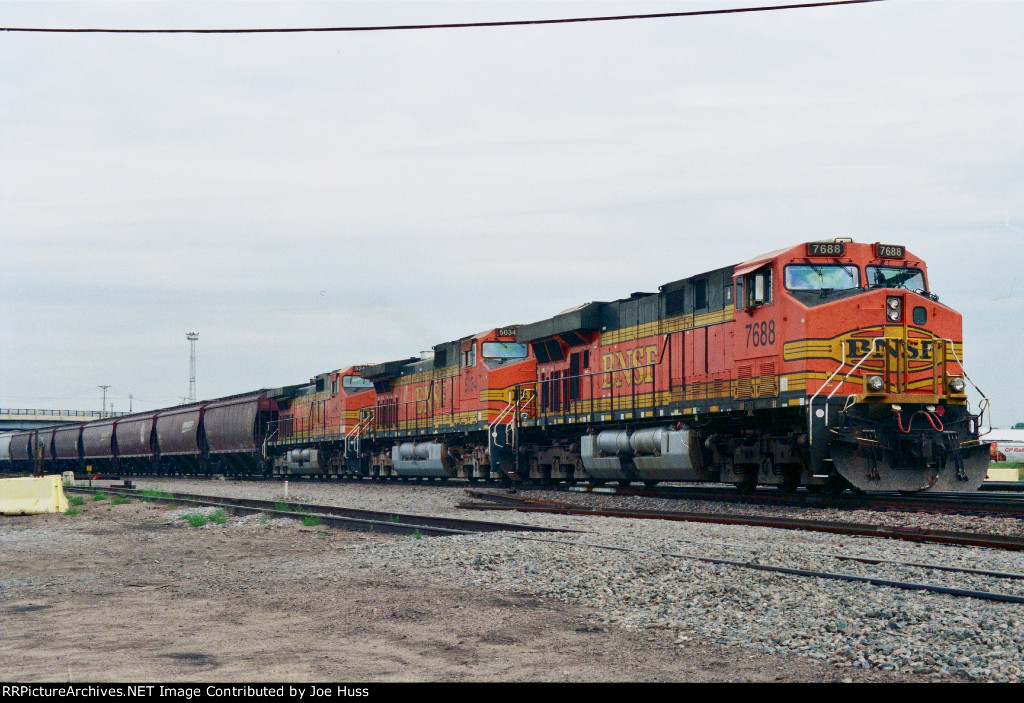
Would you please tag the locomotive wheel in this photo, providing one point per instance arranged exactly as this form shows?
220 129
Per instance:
791 483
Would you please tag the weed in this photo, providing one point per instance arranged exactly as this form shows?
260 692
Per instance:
416 534
99 495
392 518
321 533
72 512
76 500
282 507
120 500
218 517
149 494
311 521
195 519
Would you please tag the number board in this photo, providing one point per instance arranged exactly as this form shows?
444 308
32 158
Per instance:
826 249
507 332
890 251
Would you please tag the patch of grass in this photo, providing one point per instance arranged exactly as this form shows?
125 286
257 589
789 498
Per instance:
120 500
311 521
149 494
76 500
195 519
392 518
417 534
99 495
71 512
321 533
218 517
282 507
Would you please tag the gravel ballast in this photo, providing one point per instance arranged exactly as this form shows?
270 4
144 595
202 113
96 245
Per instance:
681 600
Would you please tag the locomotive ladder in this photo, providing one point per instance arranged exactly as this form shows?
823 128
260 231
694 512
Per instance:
353 438
518 400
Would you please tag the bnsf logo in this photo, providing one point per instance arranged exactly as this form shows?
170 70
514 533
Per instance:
629 366
922 349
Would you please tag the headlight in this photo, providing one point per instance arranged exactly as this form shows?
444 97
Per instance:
957 385
875 384
893 309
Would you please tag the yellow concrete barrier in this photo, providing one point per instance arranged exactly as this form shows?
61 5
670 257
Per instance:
26 496
1001 474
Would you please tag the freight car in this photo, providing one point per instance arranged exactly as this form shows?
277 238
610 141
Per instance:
224 436
828 364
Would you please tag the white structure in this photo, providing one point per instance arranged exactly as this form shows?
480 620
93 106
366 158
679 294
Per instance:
192 337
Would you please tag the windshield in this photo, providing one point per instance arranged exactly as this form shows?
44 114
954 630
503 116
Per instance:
503 350
821 277
895 277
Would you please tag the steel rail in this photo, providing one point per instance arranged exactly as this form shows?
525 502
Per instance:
852 578
844 528
985 503
345 518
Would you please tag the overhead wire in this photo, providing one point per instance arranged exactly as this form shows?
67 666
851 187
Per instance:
448 25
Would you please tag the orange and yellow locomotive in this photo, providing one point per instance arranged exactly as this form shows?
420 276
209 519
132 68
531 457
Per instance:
825 364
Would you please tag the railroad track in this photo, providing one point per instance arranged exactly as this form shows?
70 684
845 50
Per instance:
504 501
334 516
513 502
1003 499
401 523
1010 504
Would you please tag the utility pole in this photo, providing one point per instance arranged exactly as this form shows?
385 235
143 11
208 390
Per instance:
103 405
192 337
129 402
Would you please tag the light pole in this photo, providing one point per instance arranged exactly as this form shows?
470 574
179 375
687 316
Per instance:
103 405
192 337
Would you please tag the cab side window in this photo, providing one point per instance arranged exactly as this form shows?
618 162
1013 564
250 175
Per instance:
757 286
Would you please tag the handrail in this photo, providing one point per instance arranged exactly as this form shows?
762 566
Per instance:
513 409
985 403
353 437
810 402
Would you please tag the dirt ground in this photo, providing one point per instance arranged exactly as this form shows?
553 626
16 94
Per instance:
133 593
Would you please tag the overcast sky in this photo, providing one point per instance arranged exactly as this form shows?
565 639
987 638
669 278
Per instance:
309 201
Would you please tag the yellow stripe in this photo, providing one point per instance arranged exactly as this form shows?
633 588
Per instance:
432 375
667 325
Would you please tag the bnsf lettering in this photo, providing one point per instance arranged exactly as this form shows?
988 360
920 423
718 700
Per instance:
629 366
857 348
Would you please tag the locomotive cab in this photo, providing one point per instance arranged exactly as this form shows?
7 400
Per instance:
444 415
886 395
